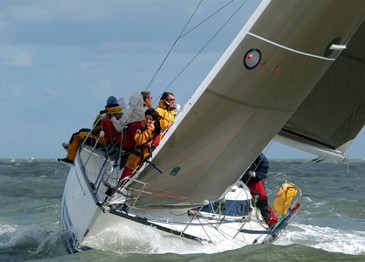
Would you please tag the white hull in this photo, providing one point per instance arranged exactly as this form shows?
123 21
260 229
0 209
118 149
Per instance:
84 214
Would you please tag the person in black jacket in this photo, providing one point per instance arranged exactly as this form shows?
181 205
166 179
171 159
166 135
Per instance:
253 178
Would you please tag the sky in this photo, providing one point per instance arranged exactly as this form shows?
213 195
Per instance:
61 60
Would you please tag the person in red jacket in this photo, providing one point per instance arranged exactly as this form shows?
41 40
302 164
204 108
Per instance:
146 137
111 135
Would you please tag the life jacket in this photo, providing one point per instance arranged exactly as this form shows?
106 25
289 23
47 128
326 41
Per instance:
128 142
284 198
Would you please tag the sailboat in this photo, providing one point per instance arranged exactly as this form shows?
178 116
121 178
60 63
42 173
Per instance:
294 73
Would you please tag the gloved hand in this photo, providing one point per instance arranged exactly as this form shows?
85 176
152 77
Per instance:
252 173
177 107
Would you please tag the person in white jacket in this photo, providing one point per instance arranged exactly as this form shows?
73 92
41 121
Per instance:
135 112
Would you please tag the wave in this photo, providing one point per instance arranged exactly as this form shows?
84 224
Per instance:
325 238
301 241
149 240
31 242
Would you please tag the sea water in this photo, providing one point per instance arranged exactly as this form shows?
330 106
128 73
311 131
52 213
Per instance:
330 225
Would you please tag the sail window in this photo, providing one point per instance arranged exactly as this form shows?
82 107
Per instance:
252 58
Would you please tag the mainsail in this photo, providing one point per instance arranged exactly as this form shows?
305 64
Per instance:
334 112
275 69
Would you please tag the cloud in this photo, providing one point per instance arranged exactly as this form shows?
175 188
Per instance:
14 56
47 10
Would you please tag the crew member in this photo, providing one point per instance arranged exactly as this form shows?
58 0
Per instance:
253 178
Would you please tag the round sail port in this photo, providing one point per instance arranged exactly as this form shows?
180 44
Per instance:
252 58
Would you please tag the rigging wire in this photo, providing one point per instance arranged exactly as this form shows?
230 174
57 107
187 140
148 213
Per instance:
282 172
206 19
182 34
173 45
310 162
204 46
273 175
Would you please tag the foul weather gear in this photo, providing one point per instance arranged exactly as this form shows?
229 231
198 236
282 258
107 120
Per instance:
166 113
260 166
146 140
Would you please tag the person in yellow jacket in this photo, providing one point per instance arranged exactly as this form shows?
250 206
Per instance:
166 110
90 136
146 137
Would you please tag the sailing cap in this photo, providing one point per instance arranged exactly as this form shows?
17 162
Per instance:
112 100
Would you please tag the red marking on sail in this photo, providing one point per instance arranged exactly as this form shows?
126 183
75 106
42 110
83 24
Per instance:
276 71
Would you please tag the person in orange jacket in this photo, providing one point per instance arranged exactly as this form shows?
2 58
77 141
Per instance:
166 110
146 137
90 136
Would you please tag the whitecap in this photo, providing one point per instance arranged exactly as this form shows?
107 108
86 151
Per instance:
326 238
33 238
149 240
6 229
